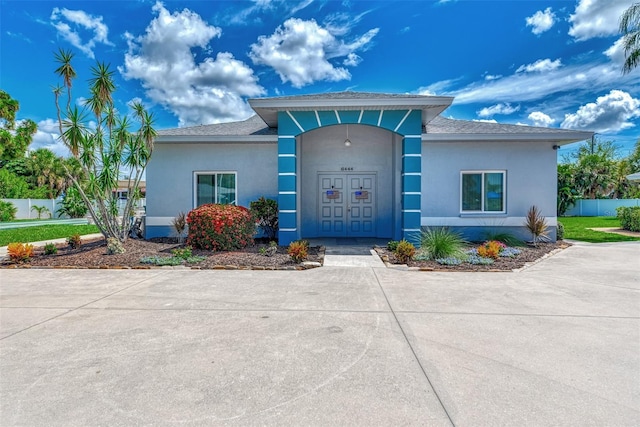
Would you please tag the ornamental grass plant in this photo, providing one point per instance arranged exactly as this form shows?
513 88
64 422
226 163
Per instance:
440 243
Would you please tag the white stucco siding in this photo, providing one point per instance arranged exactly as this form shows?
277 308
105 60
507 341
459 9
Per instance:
170 174
530 180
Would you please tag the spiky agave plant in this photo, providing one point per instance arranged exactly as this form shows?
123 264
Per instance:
536 224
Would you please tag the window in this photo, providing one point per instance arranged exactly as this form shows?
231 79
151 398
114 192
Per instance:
215 187
483 191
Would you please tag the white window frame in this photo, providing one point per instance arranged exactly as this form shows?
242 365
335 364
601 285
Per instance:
482 191
195 184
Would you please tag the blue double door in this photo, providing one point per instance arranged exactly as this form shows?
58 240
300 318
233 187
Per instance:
347 204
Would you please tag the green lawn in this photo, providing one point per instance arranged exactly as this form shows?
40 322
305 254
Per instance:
576 228
43 232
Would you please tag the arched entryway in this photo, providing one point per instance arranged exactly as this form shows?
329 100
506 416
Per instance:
349 189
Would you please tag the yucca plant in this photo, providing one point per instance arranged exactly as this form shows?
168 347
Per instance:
536 224
104 145
441 242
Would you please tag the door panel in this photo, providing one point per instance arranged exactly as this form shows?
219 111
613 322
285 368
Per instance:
347 211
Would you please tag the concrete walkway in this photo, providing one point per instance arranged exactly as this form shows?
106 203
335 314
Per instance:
556 344
350 252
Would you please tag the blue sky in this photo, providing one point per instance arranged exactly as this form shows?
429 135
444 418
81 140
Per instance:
543 63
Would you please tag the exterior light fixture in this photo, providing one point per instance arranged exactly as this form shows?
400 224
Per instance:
347 142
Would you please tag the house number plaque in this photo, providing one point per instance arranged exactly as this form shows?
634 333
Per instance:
346 168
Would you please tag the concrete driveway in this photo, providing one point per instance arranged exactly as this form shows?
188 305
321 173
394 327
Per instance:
556 344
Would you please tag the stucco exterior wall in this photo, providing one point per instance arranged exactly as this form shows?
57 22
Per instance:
170 175
530 180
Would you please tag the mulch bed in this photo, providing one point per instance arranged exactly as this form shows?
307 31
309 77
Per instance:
93 255
529 254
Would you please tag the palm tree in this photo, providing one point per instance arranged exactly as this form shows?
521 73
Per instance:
630 29
66 71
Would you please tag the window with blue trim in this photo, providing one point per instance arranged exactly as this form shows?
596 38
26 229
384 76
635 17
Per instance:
483 191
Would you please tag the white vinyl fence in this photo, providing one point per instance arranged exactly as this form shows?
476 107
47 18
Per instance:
26 211
25 206
600 207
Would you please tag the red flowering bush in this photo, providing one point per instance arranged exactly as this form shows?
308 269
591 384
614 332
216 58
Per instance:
220 227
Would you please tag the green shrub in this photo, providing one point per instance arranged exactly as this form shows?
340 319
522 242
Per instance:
185 254
74 241
161 260
298 250
560 231
629 217
265 212
7 211
405 251
449 261
220 227
442 243
50 249
72 204
270 250
114 246
392 245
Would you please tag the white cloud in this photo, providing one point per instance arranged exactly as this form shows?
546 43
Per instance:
573 81
47 137
610 113
485 120
616 52
254 13
498 109
299 51
352 60
71 23
541 21
597 18
540 66
492 76
437 88
211 91
538 118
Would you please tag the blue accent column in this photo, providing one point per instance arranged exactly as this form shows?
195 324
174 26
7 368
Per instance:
287 180
411 187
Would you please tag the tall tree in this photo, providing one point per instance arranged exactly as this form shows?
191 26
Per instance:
106 152
14 140
630 29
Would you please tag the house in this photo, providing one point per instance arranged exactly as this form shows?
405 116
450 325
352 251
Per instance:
123 189
355 164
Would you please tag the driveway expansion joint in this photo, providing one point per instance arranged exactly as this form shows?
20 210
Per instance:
415 356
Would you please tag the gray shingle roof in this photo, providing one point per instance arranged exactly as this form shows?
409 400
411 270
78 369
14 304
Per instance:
438 127
254 125
347 95
443 125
